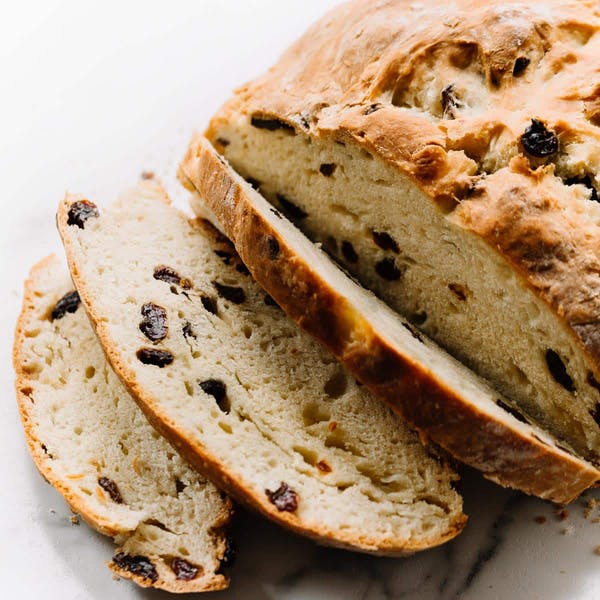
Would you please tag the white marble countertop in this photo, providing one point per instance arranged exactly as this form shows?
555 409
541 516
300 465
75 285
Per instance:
91 95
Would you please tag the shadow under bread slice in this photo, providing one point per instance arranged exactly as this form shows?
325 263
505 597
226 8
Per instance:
241 390
89 439
441 397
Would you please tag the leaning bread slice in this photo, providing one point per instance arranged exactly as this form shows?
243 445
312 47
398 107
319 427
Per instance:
241 390
89 439
433 391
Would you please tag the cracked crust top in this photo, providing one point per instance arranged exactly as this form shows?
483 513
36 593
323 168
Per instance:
451 94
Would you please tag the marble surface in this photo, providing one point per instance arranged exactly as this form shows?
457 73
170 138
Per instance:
92 94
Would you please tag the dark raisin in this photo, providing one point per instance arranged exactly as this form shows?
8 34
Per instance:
164 273
593 381
327 169
450 103
111 488
413 332
188 331
372 108
273 246
290 209
154 325
226 256
520 65
138 565
512 411
270 302
348 252
210 304
147 175
276 213
179 486
153 356
80 212
323 467
539 141
223 142
458 290
387 269
284 498
69 303
596 414
271 124
255 183
304 122
558 370
218 390
385 241
45 449
587 181
229 292
418 318
228 556
184 570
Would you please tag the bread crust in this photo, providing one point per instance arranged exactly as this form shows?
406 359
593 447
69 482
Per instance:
361 75
41 460
503 453
209 464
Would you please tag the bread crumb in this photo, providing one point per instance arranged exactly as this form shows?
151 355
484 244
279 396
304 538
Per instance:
568 530
591 505
540 520
74 520
596 520
597 550
562 514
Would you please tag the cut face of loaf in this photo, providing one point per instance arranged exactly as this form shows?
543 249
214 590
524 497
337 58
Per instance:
455 172
436 393
89 439
244 393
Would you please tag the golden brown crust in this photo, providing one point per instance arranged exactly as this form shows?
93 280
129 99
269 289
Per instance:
209 464
24 385
375 74
503 453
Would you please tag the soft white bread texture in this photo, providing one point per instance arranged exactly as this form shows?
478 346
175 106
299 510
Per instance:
441 397
448 155
89 439
242 391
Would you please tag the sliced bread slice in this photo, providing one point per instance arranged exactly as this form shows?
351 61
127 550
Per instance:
89 439
243 392
441 397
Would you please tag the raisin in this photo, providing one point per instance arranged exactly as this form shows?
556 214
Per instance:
348 252
45 449
385 241
154 325
226 256
218 390
152 356
587 181
229 292
558 370
290 209
450 102
169 275
179 486
323 467
210 304
187 331
147 175
372 108
413 332
228 556
69 303
273 246
255 183
327 169
596 414
539 141
184 570
136 564
284 498
520 65
223 142
593 381
80 212
271 124
512 411
111 488
270 302
387 269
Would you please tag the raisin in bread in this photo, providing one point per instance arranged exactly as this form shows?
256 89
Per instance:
243 393
89 439
441 397
447 154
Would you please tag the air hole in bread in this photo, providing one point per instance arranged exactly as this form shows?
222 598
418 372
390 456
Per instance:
388 269
521 65
330 245
460 291
189 388
348 252
309 456
596 414
218 390
385 241
314 413
327 169
511 410
593 381
32 333
336 385
225 427
90 372
413 332
338 439
271 124
418 318
247 331
558 370
293 211
77 430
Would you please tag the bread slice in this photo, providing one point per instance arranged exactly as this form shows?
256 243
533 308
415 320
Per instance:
89 439
442 398
454 170
243 393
